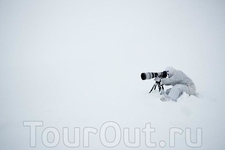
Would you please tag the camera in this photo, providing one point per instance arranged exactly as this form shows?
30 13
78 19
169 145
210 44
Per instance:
150 75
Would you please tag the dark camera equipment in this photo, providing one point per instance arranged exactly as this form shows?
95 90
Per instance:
150 75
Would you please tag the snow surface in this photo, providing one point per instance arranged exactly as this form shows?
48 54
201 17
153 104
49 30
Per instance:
78 64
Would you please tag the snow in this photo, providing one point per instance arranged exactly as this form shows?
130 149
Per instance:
70 64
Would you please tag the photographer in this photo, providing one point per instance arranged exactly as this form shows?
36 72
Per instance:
181 83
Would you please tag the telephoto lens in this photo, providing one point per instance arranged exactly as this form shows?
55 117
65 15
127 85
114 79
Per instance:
150 75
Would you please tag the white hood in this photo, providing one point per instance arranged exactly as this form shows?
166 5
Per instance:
170 70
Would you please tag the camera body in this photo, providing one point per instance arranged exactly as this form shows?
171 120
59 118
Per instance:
150 75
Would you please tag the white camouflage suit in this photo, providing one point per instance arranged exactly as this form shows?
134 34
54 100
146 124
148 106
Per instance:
181 83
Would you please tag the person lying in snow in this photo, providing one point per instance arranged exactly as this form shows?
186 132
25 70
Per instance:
181 83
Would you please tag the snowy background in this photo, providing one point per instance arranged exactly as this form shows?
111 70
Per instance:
74 63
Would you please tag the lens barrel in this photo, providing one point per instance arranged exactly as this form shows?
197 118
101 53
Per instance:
150 75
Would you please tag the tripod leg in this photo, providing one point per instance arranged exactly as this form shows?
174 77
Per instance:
154 86
159 87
